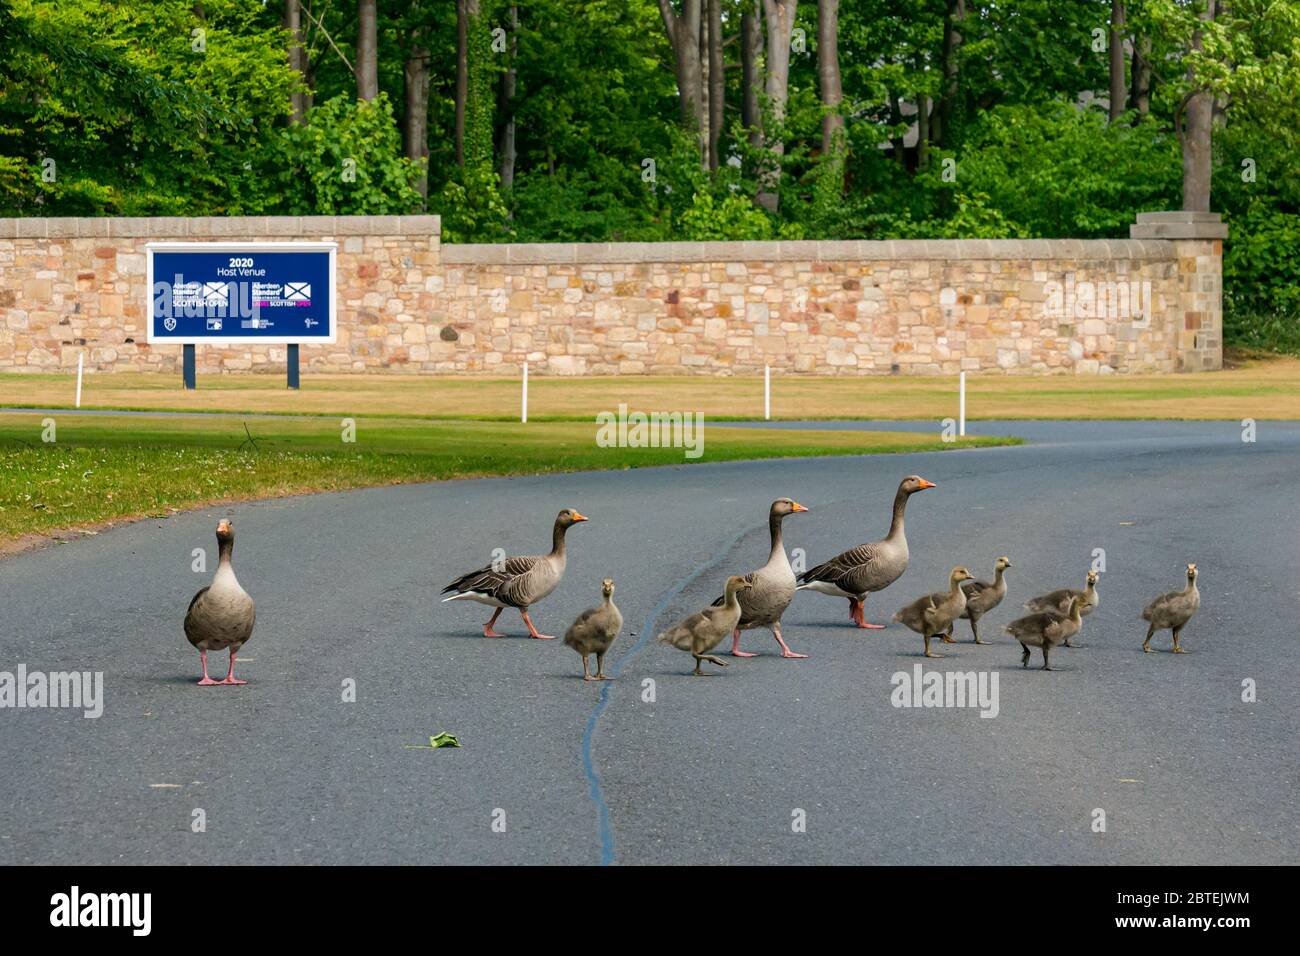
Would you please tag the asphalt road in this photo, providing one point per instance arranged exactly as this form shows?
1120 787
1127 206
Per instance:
712 770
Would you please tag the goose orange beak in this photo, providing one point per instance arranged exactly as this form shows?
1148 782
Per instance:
798 507
580 517
927 484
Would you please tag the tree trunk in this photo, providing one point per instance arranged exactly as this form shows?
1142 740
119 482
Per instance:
717 83
941 125
415 105
896 120
298 100
751 53
1196 136
463 15
506 106
828 74
779 15
1140 96
1118 88
684 36
367 50
922 131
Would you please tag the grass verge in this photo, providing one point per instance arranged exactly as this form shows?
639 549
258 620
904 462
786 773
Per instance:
102 469
1256 388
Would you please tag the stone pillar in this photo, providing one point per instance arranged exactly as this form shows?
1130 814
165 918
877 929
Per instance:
1197 238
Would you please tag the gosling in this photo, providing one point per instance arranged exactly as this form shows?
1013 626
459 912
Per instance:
595 630
1059 600
1173 611
705 630
1046 629
984 596
934 614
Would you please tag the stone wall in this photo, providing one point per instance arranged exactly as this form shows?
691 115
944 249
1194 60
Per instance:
1150 303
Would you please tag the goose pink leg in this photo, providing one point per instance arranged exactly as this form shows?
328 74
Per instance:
858 612
488 629
230 674
534 632
735 645
206 681
785 648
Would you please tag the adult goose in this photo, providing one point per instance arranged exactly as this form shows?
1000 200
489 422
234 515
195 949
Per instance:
870 567
773 585
221 615
1046 629
933 615
1059 600
518 582
705 630
984 596
1173 611
594 631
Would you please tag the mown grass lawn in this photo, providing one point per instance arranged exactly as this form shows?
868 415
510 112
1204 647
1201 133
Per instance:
1258 387
104 468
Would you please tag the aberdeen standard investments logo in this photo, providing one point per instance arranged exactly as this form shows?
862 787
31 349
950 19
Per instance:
76 909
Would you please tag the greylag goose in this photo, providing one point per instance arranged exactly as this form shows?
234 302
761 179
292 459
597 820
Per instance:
705 630
1046 629
1173 611
870 567
934 614
594 631
222 614
517 582
984 596
773 586
1059 600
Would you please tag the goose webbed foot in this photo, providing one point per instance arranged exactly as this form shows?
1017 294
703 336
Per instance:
488 629
785 648
533 631
230 678
206 681
978 641
701 658
858 615
1179 650
735 646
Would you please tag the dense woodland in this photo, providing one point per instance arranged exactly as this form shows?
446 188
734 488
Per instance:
598 120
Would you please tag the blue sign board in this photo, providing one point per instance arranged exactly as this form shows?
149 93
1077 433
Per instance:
231 292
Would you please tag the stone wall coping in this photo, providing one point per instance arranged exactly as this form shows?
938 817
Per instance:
217 227
1178 225
852 249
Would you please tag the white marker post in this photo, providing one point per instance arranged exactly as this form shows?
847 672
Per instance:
961 411
767 393
81 359
523 411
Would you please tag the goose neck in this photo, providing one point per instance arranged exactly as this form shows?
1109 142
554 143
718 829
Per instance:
774 523
896 522
557 540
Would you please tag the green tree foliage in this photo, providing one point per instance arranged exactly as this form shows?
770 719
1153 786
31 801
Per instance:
347 160
111 107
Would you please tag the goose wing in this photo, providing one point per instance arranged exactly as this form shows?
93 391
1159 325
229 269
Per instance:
856 571
496 581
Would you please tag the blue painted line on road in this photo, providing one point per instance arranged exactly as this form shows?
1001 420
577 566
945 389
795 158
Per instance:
647 632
